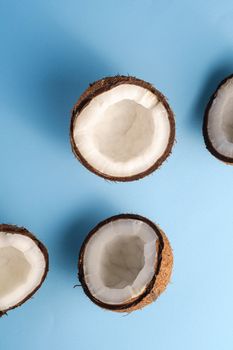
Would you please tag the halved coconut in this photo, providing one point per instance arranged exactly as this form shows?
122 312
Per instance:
125 263
122 128
218 122
23 266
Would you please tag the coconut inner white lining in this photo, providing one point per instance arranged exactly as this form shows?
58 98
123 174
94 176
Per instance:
22 266
119 260
123 131
220 120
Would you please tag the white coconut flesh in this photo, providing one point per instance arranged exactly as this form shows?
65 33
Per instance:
123 131
220 120
119 260
22 267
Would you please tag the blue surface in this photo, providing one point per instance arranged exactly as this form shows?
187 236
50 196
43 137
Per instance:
50 51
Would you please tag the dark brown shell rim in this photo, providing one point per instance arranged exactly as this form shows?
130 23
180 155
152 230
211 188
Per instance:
207 140
149 286
12 229
106 84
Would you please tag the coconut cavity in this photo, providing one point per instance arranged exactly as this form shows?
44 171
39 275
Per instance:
122 261
14 270
119 260
218 122
123 133
125 130
23 266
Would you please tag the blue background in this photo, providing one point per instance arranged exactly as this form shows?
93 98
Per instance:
50 51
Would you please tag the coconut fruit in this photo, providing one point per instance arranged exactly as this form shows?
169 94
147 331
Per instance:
23 266
218 122
125 263
122 128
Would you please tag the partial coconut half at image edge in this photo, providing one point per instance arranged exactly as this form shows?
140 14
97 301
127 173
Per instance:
24 264
122 128
125 263
218 122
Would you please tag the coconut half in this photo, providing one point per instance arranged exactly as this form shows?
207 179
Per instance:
218 122
122 128
23 266
125 263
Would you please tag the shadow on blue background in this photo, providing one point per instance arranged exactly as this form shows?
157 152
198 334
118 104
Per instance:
75 231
